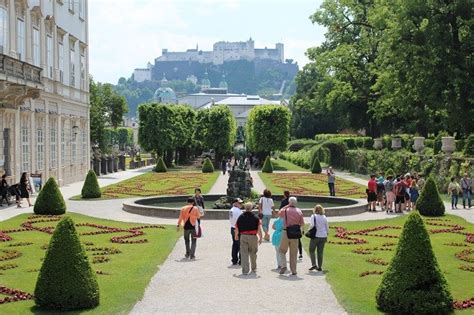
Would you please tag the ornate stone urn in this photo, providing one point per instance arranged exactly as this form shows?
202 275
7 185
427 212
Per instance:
448 145
396 143
419 144
378 143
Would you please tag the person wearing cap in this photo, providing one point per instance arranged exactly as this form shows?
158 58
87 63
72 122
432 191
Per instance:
234 214
188 218
292 216
247 228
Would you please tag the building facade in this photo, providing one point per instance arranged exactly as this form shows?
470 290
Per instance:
44 89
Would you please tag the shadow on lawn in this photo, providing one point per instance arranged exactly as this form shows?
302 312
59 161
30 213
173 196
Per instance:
36 310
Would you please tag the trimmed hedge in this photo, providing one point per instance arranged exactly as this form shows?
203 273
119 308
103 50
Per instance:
66 280
207 166
316 167
267 166
469 146
91 188
50 201
413 282
160 166
429 203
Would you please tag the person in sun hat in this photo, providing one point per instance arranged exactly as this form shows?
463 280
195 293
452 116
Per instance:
234 213
248 230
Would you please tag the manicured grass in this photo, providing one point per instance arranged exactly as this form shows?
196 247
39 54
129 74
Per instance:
156 184
310 184
357 294
128 272
283 165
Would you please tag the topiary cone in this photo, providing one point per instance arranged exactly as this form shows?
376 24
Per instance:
66 280
50 200
160 166
389 172
413 282
429 203
267 166
207 166
91 188
316 166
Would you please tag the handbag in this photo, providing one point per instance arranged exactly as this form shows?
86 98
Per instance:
198 230
312 232
292 231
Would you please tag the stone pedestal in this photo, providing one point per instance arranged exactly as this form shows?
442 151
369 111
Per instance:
110 166
103 166
419 144
115 164
96 166
378 144
448 145
396 143
121 164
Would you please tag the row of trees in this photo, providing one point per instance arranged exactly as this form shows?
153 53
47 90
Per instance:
389 66
175 132
107 110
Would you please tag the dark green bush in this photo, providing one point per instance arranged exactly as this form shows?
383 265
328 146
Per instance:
267 166
160 166
429 203
66 280
316 167
50 201
91 188
207 166
337 153
389 172
469 146
368 143
351 144
413 282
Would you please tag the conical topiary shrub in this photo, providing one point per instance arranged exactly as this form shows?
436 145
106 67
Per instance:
429 203
50 200
66 280
316 166
413 282
160 166
207 166
91 188
389 172
267 166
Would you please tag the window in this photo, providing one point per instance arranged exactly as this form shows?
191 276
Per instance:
36 47
49 55
52 140
3 29
72 69
20 39
61 61
84 146
25 149
83 71
63 147
73 146
39 149
82 8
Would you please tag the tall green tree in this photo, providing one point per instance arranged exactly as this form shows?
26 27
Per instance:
267 129
221 130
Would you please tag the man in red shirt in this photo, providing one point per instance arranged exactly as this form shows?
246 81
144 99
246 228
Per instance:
400 189
372 193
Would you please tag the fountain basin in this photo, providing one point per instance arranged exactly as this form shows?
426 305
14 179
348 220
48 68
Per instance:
169 206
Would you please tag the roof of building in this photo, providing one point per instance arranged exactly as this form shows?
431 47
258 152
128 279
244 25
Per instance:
247 100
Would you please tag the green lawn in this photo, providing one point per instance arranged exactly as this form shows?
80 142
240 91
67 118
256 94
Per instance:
283 165
357 294
156 184
310 184
126 273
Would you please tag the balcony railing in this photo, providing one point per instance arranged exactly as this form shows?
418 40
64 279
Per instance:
19 69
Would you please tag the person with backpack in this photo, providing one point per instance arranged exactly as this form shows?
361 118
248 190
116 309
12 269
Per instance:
454 189
188 218
400 191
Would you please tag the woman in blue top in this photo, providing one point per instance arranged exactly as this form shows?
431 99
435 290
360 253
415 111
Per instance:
278 226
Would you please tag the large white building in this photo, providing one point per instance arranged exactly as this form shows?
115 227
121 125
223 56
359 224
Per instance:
44 89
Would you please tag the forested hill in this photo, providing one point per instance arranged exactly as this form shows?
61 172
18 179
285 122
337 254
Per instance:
262 78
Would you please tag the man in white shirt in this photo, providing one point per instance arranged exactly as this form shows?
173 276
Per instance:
234 214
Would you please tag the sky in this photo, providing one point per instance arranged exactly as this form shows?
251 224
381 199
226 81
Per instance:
126 34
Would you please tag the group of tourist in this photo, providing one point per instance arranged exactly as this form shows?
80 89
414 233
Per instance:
21 190
248 230
232 163
462 188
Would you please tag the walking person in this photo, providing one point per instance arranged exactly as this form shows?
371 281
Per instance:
223 166
319 220
266 207
408 181
381 190
234 214
294 224
277 226
284 202
188 218
25 190
4 190
400 191
247 228
372 193
466 186
454 189
199 201
389 193
331 181
414 192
